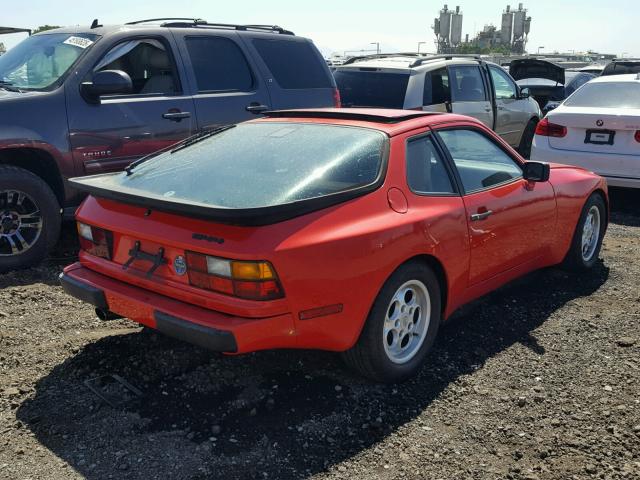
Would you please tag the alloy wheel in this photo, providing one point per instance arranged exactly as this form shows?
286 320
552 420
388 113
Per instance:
20 222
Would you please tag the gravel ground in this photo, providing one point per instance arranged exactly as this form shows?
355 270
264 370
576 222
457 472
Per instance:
540 380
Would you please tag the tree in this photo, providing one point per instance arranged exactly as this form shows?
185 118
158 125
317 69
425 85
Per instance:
44 28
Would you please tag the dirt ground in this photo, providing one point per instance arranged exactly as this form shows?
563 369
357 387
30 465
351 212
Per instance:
540 380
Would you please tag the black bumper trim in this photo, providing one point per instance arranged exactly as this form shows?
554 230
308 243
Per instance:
84 292
211 338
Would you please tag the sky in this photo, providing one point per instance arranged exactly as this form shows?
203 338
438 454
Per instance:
340 25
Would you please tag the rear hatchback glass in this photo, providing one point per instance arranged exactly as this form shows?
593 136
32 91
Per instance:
372 89
257 165
606 95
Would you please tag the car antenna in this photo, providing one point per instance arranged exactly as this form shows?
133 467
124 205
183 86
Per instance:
95 24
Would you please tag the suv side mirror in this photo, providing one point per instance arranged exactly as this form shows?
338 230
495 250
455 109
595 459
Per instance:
536 172
106 82
525 93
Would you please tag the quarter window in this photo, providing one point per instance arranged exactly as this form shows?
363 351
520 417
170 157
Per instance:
467 85
147 62
219 65
426 172
502 84
479 161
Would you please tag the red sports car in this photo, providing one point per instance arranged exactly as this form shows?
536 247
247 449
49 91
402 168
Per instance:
355 231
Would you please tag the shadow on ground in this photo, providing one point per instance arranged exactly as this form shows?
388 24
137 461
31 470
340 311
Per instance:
287 414
625 206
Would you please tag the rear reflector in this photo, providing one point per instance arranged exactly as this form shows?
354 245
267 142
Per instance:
248 280
547 129
320 311
95 241
637 136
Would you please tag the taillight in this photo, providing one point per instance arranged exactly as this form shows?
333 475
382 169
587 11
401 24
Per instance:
337 101
547 129
248 280
96 241
637 136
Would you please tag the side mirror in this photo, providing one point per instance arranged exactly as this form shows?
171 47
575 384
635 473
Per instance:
525 93
106 82
536 172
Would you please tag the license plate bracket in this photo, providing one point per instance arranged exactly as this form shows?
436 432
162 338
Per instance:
600 137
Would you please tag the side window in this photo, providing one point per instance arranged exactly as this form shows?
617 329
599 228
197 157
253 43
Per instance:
294 64
502 84
426 172
466 83
436 87
147 62
219 65
480 162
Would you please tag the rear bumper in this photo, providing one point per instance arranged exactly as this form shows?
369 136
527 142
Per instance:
200 326
619 170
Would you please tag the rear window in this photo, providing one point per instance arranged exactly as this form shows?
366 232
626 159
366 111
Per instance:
606 95
294 65
620 68
260 165
372 89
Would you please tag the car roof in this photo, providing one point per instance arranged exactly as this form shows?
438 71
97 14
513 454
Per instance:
390 121
406 62
627 77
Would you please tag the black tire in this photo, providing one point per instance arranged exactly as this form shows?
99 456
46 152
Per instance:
575 260
368 356
524 148
17 179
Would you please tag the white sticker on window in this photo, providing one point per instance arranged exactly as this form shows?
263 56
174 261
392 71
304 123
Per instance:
79 42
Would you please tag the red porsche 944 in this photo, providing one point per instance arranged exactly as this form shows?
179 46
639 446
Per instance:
357 231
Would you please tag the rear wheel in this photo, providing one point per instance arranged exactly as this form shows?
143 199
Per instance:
588 236
401 327
526 141
29 218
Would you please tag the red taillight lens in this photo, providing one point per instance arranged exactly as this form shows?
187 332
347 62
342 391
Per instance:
248 280
547 129
637 136
96 241
337 101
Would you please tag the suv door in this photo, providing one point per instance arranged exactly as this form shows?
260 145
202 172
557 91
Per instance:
512 114
468 93
110 134
510 221
436 95
226 88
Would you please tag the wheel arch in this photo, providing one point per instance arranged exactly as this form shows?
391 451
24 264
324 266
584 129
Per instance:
40 163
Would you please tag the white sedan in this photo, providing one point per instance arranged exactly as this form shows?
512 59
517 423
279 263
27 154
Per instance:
597 128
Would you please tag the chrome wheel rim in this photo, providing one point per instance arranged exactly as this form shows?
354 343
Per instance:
406 321
20 222
590 233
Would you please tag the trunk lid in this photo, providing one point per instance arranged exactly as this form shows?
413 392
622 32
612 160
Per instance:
533 68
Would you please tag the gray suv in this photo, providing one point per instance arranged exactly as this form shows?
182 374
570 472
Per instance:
466 85
86 100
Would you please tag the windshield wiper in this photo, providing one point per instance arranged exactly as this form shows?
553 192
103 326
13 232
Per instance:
9 86
198 137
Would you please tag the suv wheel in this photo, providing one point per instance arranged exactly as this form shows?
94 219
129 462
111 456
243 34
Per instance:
29 218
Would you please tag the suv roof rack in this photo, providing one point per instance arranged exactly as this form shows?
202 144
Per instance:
430 58
419 57
373 56
389 116
183 22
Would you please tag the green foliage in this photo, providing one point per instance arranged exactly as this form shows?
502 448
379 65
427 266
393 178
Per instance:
44 28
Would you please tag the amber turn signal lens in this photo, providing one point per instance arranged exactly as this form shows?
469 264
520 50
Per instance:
251 271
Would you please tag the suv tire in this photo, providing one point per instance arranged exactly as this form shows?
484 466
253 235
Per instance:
407 309
29 218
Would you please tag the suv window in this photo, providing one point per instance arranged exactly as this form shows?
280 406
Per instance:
219 65
426 172
479 161
502 84
467 85
371 89
436 87
294 64
147 62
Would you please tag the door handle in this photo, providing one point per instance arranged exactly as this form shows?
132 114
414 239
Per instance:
256 108
481 216
176 116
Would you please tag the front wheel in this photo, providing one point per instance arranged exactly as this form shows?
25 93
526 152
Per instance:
588 236
401 327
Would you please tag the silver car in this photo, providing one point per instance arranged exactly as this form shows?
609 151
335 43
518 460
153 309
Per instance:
445 83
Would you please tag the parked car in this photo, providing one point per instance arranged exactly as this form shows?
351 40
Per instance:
621 67
79 101
350 230
548 83
598 128
446 83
